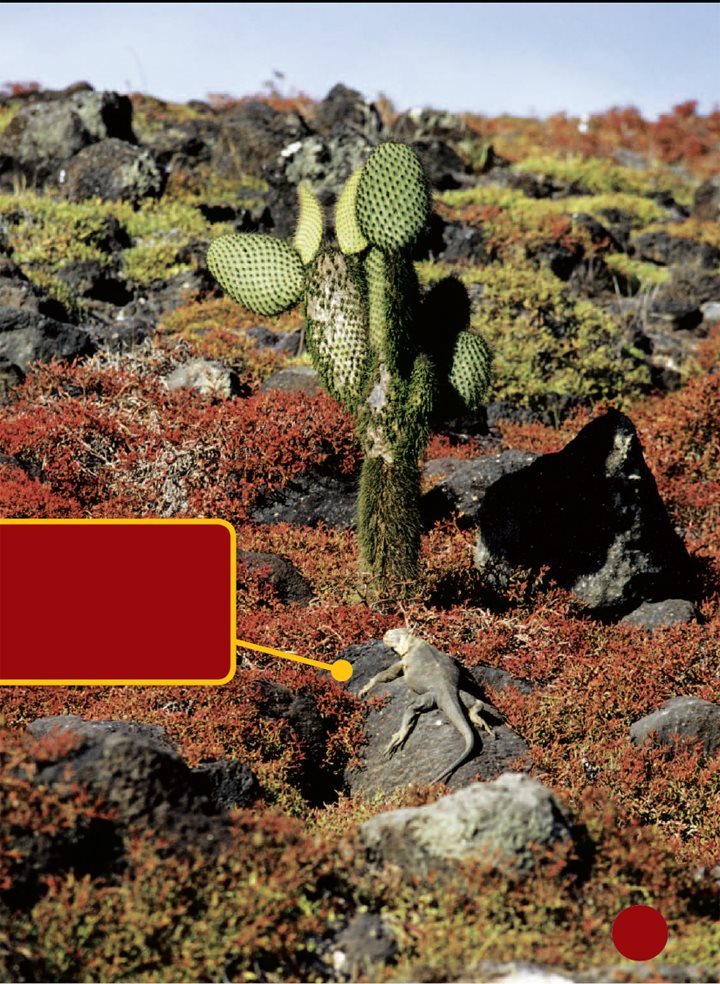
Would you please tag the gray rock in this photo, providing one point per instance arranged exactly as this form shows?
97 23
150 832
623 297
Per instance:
26 337
433 744
502 822
324 163
43 135
711 312
424 124
112 170
685 717
519 972
283 576
251 135
284 342
63 723
592 515
207 377
364 944
452 242
656 614
295 379
462 484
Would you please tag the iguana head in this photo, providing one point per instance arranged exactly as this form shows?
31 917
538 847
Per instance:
399 640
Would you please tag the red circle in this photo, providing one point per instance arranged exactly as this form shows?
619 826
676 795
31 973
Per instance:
640 932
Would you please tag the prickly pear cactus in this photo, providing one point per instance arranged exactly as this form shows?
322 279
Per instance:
371 337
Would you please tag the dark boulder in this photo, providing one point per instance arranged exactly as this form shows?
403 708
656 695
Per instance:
16 291
228 784
282 576
26 337
112 170
45 134
664 249
308 500
344 107
251 135
592 515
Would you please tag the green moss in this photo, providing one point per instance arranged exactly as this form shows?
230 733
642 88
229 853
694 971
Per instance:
6 114
640 211
599 175
546 343
638 273
511 212
53 232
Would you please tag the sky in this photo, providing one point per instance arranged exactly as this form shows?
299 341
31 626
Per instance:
527 59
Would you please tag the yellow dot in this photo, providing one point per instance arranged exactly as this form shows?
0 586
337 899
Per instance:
341 670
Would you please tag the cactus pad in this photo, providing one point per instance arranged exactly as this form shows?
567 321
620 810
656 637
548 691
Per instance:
309 232
393 198
470 370
262 273
350 238
336 325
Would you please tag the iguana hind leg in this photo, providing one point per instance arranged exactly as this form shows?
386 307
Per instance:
412 713
475 708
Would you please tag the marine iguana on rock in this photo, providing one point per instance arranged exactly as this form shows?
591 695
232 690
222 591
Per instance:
437 679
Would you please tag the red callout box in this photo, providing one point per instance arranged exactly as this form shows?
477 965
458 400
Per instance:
129 601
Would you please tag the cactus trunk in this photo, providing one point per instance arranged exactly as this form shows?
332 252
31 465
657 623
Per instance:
389 523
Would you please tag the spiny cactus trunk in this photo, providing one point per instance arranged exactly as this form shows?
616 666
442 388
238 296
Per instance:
389 523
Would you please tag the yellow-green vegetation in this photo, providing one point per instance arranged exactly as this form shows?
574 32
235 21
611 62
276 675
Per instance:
547 344
6 114
204 185
700 230
637 210
638 274
510 216
53 232
599 175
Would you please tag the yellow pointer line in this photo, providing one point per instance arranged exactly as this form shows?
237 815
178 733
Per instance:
341 669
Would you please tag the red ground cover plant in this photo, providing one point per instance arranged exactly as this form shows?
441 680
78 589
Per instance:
681 136
122 445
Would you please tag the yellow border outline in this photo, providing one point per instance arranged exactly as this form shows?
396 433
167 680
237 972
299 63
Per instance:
149 683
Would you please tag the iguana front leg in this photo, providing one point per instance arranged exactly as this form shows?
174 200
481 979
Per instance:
412 713
385 676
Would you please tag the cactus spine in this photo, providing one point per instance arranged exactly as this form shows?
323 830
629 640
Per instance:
370 337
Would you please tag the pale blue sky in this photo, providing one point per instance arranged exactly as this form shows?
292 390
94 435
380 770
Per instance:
489 58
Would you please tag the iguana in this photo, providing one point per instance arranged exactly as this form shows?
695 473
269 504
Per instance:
437 679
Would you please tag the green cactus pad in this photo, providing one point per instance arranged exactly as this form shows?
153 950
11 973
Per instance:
336 325
309 231
262 273
350 238
470 369
393 198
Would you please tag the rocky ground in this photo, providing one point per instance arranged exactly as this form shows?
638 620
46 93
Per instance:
570 560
